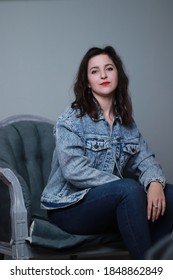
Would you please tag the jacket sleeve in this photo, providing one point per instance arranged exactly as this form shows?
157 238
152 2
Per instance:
75 166
145 166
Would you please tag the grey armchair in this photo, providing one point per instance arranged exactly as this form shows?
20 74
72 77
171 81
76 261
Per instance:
26 147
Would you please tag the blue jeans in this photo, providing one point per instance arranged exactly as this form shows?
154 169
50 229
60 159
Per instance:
119 205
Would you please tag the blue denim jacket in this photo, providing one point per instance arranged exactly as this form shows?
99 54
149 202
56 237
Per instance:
90 153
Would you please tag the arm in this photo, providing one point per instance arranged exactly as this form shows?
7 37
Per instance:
152 178
75 166
145 166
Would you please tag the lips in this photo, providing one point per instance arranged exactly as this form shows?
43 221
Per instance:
105 83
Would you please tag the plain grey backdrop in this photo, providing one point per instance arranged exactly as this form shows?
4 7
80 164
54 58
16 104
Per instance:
42 43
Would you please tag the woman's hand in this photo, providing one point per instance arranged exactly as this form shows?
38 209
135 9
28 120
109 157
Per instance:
156 201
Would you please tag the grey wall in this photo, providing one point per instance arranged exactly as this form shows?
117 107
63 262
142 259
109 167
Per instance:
42 43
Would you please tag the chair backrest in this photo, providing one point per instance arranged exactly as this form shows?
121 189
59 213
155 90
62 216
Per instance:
26 147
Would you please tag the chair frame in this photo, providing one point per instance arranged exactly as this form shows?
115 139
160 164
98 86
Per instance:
17 248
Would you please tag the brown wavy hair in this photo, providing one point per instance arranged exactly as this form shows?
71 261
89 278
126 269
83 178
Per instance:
84 99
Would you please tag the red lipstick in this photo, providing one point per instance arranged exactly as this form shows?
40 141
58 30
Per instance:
105 83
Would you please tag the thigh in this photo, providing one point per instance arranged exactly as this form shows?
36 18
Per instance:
96 212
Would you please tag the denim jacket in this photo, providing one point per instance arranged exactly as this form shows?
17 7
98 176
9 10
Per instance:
90 153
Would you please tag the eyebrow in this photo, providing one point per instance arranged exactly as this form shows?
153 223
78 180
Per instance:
109 64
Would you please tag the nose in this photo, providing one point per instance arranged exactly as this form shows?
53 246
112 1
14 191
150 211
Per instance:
103 74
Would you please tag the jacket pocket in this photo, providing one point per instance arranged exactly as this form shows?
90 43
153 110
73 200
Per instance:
128 150
96 145
131 148
96 150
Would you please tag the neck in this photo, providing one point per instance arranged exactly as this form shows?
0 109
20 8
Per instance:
107 108
109 116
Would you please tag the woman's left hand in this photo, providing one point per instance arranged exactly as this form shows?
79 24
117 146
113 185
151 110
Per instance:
156 201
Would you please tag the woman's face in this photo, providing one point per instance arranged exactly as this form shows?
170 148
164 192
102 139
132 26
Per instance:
102 76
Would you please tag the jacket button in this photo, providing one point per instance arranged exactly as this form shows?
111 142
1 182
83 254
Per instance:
96 146
118 138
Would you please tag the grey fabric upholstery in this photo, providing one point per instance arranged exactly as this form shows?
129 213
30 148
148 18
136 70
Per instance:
26 147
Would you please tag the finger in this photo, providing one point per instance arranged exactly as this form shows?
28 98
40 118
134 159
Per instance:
158 209
149 210
163 207
154 213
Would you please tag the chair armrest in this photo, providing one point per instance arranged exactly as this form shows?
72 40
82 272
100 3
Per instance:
18 212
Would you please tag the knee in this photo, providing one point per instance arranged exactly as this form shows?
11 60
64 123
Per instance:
133 192
131 183
131 186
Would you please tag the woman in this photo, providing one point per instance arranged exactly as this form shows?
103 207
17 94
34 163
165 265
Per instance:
104 176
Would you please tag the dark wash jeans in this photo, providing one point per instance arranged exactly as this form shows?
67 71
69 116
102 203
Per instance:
120 204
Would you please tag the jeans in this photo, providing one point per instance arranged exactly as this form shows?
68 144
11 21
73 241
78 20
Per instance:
120 205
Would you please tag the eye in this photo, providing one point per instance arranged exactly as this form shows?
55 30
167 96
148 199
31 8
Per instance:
94 71
110 68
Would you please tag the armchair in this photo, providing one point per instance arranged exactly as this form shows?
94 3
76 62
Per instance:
26 147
